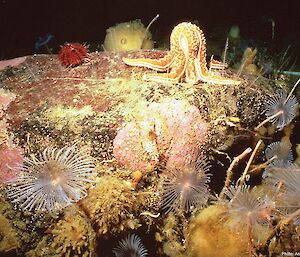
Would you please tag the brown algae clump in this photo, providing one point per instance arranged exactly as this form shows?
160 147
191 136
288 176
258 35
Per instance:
8 236
74 236
208 236
170 235
19 232
110 205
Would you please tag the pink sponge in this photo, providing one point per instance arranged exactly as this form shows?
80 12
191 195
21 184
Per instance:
11 160
172 130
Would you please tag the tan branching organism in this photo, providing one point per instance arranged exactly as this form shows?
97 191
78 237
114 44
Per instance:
111 216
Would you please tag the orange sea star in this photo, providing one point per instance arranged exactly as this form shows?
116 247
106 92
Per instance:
186 59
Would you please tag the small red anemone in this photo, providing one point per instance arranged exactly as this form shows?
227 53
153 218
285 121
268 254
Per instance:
72 54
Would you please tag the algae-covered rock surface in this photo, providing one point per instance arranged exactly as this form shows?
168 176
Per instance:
104 93
137 133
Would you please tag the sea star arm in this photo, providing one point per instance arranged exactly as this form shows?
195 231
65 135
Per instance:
190 74
213 79
172 77
178 67
161 64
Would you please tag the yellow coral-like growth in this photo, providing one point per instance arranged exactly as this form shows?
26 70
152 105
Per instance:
111 205
8 236
9 239
209 237
171 236
73 236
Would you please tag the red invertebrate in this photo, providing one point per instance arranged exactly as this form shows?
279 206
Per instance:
72 54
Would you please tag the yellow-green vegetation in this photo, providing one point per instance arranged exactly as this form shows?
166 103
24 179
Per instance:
19 231
297 161
73 235
13 228
43 248
110 205
288 241
9 239
171 235
209 236
8 236
114 207
132 95
62 116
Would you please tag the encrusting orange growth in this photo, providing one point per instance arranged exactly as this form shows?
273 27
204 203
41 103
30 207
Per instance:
137 176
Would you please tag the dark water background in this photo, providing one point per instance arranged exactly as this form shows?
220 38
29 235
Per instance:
22 22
